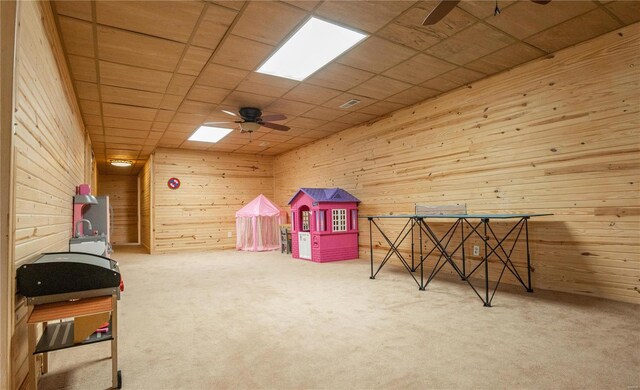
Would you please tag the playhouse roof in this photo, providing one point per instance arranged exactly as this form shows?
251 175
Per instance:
260 206
327 195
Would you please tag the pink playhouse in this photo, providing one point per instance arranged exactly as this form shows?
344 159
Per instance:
257 226
324 225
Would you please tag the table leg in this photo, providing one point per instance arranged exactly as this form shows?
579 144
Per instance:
486 265
464 262
114 342
33 372
422 286
371 248
526 232
45 356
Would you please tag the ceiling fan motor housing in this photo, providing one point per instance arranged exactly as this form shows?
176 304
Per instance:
250 114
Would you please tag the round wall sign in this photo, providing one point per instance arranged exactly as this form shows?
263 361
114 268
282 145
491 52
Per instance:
174 183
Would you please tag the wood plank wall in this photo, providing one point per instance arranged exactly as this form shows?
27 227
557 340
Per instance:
558 135
49 152
201 213
8 23
145 180
123 198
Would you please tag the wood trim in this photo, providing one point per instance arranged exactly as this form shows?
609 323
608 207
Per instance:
152 205
8 34
144 205
141 205
94 173
139 208
88 159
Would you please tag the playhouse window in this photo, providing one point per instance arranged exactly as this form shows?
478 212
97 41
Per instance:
354 219
339 219
320 221
305 220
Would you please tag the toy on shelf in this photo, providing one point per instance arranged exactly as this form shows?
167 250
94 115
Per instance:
91 223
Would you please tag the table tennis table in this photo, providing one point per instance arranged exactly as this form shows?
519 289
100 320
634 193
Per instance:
477 225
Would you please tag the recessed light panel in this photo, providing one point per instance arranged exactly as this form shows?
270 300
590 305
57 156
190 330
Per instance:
313 46
209 134
121 163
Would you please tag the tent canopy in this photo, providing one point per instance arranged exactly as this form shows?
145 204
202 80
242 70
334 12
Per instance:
260 206
257 225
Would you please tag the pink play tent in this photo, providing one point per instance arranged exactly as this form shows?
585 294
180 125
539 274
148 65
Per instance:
257 226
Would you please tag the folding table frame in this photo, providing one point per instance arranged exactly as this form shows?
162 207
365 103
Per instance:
480 227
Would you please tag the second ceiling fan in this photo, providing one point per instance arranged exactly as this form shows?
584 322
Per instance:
445 6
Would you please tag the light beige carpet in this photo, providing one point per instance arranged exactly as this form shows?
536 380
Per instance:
246 320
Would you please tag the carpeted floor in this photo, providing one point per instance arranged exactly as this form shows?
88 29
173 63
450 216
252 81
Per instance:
264 320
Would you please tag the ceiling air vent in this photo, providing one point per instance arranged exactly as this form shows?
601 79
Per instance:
350 103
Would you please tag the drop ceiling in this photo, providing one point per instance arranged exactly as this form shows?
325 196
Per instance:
148 73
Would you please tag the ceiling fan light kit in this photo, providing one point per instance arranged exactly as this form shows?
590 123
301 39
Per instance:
249 126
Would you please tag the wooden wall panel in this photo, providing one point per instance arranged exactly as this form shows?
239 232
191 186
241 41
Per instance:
200 215
49 149
145 180
123 198
8 23
558 135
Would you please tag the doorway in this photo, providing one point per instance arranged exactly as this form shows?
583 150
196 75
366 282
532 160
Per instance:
304 236
123 197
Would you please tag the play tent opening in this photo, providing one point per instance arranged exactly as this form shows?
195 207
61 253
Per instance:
257 226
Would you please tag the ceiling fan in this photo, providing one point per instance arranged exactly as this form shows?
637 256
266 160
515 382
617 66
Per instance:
441 10
251 119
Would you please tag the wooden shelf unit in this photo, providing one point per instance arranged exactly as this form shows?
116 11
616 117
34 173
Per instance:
60 335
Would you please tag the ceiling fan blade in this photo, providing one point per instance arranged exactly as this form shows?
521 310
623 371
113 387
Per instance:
218 123
541 2
229 112
275 126
440 12
274 117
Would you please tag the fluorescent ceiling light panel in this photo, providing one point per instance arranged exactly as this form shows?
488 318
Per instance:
209 134
313 46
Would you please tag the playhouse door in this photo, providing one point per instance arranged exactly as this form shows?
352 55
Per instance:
304 245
